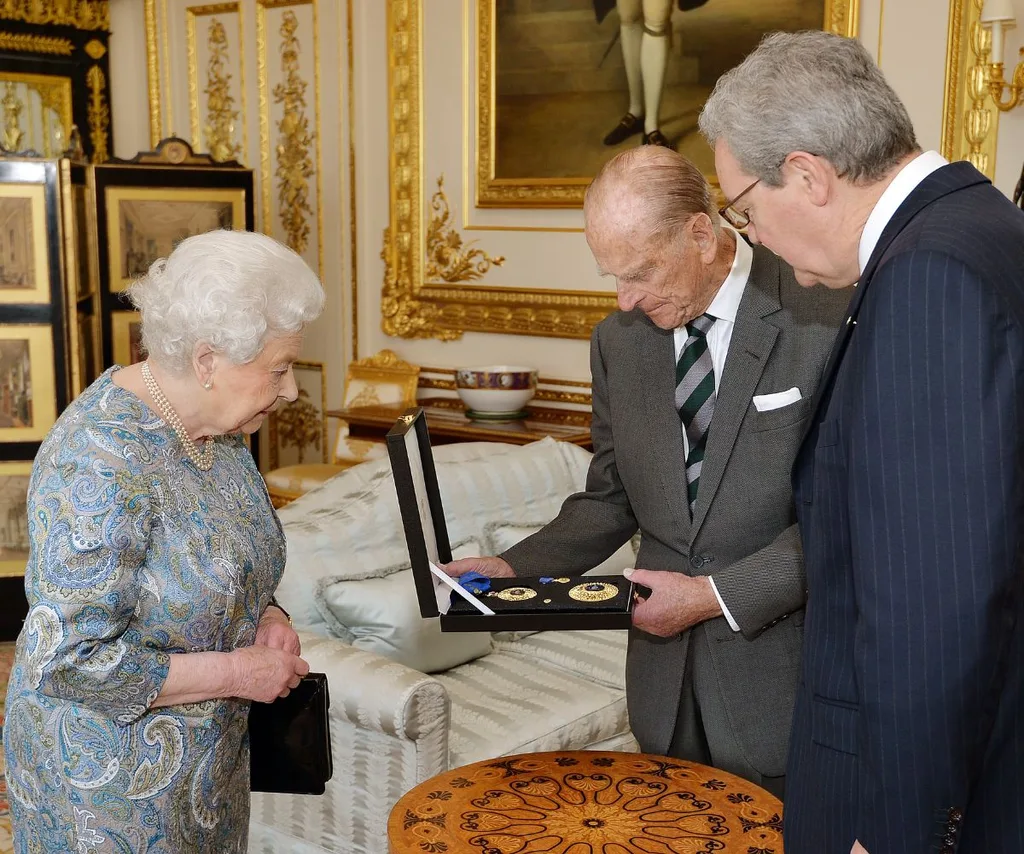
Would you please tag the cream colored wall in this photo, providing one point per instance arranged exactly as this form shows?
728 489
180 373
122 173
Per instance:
908 36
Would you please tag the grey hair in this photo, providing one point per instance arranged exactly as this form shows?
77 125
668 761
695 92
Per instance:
230 289
668 188
811 91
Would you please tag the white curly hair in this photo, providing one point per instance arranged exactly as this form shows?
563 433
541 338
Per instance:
230 289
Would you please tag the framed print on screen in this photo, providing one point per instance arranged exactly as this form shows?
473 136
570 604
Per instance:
24 271
28 404
14 479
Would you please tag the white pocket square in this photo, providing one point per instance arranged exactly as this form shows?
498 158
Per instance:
768 402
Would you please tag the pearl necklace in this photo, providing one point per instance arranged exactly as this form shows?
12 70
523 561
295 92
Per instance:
203 458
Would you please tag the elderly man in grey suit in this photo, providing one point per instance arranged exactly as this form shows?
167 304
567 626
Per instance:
701 387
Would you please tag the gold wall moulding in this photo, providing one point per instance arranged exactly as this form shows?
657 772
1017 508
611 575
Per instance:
96 49
448 257
409 307
82 14
493 191
28 43
970 122
98 113
220 106
294 163
13 108
221 117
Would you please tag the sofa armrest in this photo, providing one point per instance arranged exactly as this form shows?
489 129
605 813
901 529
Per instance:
374 693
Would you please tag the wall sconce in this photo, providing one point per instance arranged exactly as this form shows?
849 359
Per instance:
997 16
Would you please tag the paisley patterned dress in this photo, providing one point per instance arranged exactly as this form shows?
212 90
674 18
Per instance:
135 554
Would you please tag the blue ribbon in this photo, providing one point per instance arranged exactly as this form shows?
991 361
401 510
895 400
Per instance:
475 582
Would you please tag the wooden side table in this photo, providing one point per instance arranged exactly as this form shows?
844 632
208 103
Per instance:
586 801
447 422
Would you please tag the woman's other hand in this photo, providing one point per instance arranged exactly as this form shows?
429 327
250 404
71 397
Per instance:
275 630
264 673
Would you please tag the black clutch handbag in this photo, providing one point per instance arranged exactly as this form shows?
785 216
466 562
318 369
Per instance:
290 741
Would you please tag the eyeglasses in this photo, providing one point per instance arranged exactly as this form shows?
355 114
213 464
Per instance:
735 218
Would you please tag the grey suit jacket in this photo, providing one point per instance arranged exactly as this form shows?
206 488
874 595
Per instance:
743 531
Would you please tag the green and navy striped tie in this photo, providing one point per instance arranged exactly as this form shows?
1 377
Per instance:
695 397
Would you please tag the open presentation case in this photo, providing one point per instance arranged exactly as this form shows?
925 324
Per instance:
526 603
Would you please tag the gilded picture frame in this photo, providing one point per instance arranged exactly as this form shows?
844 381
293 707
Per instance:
838 16
411 305
126 330
14 542
24 263
298 430
146 223
28 402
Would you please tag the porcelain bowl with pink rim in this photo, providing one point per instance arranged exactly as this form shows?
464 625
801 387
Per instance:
496 389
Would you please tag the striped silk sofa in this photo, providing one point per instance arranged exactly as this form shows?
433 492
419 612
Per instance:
407 701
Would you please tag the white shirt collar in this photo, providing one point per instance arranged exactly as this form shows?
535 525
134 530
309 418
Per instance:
727 301
895 194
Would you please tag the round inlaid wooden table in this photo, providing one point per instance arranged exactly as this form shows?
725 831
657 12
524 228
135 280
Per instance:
586 802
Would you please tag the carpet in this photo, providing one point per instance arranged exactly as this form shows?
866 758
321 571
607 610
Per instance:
6 658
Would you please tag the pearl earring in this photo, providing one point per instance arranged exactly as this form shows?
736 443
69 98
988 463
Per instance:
208 384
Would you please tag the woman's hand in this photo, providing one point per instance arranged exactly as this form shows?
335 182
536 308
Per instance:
263 673
275 630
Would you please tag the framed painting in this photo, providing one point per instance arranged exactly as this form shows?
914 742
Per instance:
127 333
14 542
145 224
298 430
542 83
28 403
146 206
550 96
24 270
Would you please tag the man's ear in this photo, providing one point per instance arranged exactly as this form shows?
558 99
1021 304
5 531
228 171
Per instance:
702 231
204 363
813 175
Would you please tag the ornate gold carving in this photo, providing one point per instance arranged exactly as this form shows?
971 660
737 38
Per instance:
386 359
970 124
220 112
95 48
98 113
448 258
410 307
13 134
1014 88
153 74
841 16
24 42
294 164
299 424
367 397
83 14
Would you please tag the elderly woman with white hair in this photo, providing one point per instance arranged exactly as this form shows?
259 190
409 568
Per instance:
154 557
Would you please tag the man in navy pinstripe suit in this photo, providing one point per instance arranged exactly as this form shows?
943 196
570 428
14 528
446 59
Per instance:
908 733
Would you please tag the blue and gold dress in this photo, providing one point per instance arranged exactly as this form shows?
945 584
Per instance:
135 554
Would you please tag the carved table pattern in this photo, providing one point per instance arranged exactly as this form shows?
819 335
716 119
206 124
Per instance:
586 802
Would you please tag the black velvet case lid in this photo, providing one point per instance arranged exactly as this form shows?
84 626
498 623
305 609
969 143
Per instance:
520 604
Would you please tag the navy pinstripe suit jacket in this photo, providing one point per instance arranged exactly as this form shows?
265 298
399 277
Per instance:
907 732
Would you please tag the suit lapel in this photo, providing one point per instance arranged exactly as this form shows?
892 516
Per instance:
752 341
656 374
942 182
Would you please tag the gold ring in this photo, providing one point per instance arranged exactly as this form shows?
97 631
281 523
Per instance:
595 591
516 594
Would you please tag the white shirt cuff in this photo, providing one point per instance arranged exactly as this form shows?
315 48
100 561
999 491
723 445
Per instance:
725 611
